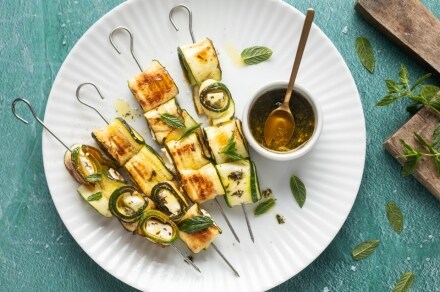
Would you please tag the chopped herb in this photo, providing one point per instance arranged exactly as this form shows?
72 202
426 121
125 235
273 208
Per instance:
236 175
172 120
266 193
238 193
280 219
95 197
364 249
264 206
255 55
230 150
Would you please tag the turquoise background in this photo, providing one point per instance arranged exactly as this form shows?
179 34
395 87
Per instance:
38 254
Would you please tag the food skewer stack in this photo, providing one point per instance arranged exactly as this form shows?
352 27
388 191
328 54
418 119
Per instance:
103 187
224 136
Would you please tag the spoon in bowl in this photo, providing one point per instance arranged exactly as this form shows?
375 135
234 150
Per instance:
280 124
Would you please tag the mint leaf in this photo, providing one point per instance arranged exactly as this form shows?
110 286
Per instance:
94 197
365 53
195 224
364 249
255 55
264 206
172 120
298 190
404 283
395 217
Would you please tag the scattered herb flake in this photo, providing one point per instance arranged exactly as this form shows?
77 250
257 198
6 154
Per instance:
280 219
364 249
395 217
266 193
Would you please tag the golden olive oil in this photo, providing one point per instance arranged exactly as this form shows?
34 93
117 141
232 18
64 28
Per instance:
302 113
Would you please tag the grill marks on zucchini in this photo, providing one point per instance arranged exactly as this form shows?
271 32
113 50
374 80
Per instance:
146 169
153 87
199 62
202 184
119 140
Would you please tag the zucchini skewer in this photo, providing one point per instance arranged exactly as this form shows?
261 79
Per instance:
155 85
158 175
212 98
109 182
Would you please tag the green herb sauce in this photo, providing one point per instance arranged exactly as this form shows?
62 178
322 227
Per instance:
302 112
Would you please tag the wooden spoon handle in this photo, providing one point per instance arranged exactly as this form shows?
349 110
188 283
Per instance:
299 53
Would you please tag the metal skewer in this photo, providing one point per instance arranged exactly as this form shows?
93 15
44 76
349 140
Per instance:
226 261
186 258
134 57
14 104
193 39
247 222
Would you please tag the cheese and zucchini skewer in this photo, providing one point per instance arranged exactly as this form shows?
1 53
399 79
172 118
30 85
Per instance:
213 99
148 171
109 191
155 90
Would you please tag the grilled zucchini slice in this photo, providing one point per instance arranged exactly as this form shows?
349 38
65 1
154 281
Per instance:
158 127
187 153
240 181
119 141
153 87
146 169
199 240
203 184
219 136
199 61
98 194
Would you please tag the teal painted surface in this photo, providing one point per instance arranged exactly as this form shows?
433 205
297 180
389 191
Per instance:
38 254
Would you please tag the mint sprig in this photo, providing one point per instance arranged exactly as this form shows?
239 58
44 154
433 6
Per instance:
419 94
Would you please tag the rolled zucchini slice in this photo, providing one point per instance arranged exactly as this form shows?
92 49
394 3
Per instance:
146 169
84 163
203 184
200 62
98 194
119 140
199 240
169 200
240 181
216 101
153 87
127 203
157 227
158 127
187 153
219 136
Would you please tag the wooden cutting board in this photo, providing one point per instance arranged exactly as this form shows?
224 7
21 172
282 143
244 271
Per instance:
415 29
409 24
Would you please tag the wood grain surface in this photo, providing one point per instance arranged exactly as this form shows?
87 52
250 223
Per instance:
409 24
423 123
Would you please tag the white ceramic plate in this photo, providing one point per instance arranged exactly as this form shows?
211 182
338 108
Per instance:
332 171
